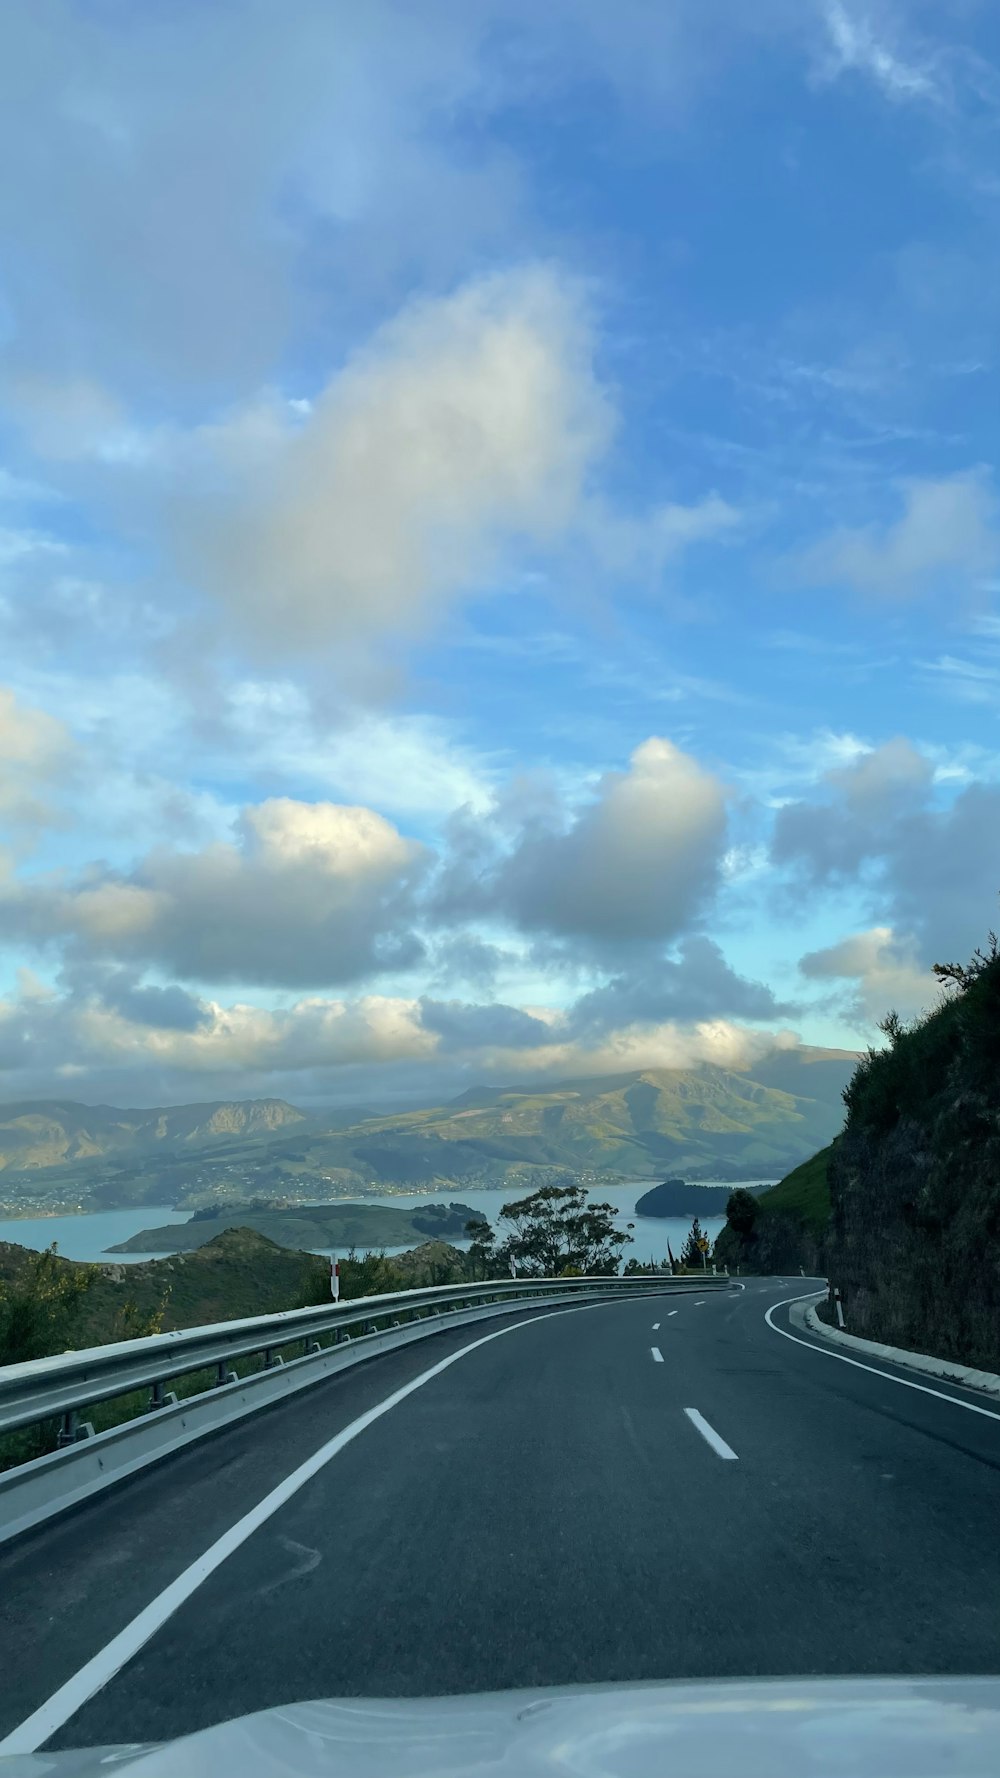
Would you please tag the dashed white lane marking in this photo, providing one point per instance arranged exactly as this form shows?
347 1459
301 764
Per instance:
671 1312
655 1326
700 1304
710 1435
657 1354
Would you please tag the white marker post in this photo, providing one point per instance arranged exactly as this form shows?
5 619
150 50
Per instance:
335 1279
839 1306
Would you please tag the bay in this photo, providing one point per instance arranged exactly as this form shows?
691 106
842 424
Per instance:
650 1234
88 1235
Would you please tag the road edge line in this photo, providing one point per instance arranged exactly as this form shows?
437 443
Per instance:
825 1351
964 1376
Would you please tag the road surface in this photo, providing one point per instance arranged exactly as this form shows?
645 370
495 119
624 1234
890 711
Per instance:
648 1489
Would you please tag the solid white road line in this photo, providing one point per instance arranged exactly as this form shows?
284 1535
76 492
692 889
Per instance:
710 1435
657 1354
102 1667
671 1312
858 1363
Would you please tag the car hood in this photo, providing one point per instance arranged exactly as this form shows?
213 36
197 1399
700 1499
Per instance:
837 1728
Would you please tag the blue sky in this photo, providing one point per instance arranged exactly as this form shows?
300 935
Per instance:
499 536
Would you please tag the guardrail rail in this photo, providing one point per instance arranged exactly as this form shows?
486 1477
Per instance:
295 1349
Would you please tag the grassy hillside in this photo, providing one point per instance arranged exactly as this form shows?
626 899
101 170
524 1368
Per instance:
791 1225
701 1123
804 1193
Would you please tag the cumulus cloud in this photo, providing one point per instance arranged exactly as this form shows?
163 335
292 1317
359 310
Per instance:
699 984
466 421
304 895
885 972
86 1039
947 537
832 836
927 866
465 1027
634 865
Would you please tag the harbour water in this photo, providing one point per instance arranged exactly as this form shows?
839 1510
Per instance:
90 1235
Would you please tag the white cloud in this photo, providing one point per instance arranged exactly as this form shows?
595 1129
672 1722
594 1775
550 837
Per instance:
142 1046
925 866
854 47
633 865
467 421
305 895
947 536
885 968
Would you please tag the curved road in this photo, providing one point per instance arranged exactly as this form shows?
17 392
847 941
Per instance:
657 1488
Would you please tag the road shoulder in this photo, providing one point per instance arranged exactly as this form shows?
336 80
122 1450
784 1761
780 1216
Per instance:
803 1315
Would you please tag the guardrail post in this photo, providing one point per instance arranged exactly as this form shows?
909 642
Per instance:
160 1398
67 1431
224 1375
271 1359
71 1432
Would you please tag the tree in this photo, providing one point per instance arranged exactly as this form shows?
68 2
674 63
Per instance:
742 1211
39 1308
483 1260
555 1233
691 1254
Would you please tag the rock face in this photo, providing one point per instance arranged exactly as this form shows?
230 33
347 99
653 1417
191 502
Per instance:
915 1232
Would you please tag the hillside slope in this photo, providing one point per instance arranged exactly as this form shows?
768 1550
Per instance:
703 1123
791 1227
46 1133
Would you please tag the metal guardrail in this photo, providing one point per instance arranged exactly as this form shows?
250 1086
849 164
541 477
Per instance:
335 1336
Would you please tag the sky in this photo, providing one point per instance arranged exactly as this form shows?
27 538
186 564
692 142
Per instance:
499 536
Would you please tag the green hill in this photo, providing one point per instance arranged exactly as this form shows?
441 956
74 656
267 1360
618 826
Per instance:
804 1193
310 1227
791 1226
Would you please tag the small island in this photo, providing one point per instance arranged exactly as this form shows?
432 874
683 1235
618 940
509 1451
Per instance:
678 1197
312 1227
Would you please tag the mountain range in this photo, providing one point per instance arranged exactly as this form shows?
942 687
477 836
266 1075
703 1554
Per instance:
704 1123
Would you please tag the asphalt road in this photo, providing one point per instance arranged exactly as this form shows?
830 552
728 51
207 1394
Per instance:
587 1497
